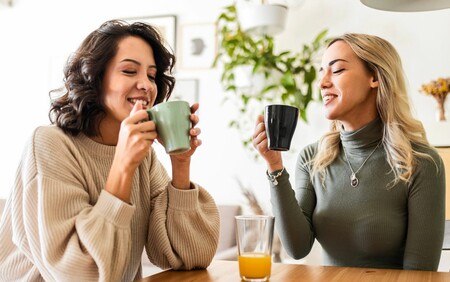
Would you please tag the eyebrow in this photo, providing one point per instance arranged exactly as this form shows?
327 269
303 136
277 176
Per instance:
138 63
333 62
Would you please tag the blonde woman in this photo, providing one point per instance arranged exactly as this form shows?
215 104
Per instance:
371 190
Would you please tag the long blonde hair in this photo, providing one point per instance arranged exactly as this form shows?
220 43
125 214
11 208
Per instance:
401 129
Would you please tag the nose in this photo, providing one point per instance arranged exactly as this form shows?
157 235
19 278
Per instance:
144 84
325 81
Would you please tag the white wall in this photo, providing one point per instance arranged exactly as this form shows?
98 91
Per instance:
37 36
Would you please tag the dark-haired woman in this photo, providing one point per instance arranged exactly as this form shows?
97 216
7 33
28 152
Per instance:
90 194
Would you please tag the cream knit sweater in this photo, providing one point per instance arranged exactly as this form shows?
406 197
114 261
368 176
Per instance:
60 225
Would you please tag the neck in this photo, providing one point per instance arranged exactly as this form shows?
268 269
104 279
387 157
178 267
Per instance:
365 138
357 124
109 134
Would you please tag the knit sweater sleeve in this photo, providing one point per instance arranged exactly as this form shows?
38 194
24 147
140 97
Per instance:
426 215
66 235
184 225
293 208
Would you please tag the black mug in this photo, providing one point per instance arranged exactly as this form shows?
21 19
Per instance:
280 122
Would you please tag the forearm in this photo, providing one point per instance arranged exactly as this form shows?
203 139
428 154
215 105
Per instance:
291 223
119 183
181 174
186 235
271 167
86 235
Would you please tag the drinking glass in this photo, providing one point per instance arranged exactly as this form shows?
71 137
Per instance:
254 235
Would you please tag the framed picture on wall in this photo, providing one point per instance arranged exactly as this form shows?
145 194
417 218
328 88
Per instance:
186 89
198 46
165 24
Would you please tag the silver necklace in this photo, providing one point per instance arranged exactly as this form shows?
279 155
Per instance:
354 181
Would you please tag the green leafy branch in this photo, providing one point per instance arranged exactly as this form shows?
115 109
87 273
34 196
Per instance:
289 76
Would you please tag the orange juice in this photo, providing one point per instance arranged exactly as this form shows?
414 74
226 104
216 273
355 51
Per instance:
254 265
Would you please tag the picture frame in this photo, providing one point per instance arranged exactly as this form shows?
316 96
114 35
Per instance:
165 24
187 90
198 45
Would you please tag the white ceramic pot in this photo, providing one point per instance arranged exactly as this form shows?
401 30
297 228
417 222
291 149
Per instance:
245 80
243 76
262 19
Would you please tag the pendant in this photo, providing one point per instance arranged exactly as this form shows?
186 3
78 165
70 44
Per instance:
353 180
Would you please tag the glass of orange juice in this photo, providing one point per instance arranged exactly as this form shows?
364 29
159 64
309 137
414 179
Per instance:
254 235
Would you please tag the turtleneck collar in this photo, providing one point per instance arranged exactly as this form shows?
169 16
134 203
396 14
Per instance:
364 138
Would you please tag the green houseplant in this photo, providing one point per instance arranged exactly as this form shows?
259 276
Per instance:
288 77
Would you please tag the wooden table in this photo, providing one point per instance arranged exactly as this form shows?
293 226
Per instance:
228 271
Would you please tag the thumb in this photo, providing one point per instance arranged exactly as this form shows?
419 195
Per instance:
137 106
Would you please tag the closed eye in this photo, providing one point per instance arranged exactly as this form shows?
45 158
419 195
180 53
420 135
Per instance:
129 72
151 77
338 71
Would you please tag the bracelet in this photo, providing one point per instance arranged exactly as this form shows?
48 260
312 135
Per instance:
273 177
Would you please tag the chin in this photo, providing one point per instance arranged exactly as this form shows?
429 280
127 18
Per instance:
329 115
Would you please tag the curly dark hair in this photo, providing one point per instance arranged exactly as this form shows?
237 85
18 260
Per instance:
76 107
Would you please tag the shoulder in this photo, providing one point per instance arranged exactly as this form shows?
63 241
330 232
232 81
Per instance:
427 154
428 161
309 150
42 146
49 132
429 171
307 153
49 139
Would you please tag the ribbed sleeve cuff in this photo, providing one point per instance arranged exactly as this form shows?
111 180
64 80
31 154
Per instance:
114 210
183 199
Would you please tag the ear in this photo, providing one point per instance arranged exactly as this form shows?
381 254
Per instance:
374 82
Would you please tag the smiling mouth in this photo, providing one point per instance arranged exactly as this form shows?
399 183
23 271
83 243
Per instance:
328 98
135 100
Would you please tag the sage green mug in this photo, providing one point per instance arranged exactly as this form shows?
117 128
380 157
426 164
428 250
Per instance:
173 123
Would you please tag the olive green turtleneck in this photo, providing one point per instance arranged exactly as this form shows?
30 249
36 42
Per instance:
370 225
